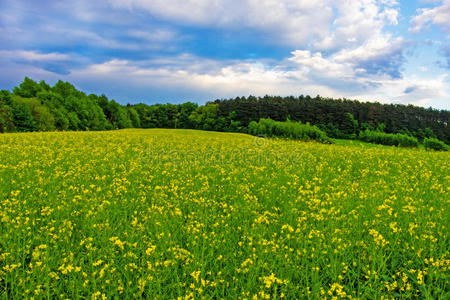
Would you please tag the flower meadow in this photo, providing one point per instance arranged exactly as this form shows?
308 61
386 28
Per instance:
183 214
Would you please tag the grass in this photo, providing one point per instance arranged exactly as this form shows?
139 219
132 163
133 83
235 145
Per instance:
191 214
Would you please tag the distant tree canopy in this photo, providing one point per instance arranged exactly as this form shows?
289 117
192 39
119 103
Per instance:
287 129
341 118
34 106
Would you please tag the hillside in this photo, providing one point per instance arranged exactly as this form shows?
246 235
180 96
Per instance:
161 213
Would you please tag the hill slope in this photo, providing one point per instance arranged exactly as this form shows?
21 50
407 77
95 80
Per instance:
174 213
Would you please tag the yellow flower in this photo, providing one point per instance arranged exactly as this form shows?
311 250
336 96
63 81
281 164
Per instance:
195 275
150 250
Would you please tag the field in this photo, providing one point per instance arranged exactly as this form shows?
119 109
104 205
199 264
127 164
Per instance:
191 214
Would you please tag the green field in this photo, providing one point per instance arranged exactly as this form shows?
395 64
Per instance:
192 214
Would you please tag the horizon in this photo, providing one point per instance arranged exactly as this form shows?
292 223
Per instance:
135 51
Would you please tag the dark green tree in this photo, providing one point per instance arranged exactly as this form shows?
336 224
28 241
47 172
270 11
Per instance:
6 119
27 89
205 117
22 118
42 116
133 116
349 126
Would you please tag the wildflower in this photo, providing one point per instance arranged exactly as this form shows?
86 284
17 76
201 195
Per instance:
195 275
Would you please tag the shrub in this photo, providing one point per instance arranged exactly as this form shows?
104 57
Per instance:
288 129
377 137
434 144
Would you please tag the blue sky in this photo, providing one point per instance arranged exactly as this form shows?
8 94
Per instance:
159 51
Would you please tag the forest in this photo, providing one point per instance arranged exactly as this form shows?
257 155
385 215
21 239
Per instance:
37 106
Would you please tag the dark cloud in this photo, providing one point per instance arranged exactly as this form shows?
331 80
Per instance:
390 64
409 89
61 69
445 52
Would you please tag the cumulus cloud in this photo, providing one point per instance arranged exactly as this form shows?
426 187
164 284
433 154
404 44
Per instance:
357 22
328 24
186 76
82 24
292 19
302 73
379 57
132 48
324 25
351 31
416 90
438 15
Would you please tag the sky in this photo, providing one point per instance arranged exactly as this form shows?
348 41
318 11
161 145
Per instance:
173 51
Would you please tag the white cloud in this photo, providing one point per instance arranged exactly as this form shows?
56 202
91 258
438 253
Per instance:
197 78
340 49
391 15
357 22
316 65
325 23
352 28
439 15
380 56
30 55
415 90
372 49
303 73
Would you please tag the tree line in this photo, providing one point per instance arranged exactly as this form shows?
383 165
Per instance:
341 118
37 106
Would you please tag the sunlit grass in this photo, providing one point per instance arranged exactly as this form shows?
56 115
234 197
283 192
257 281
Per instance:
191 214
